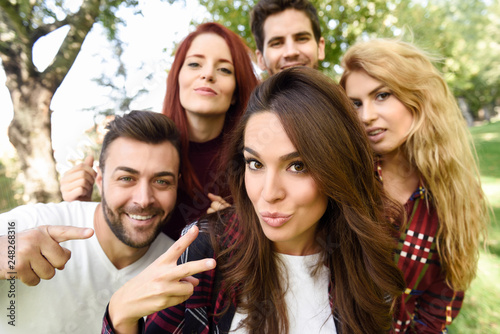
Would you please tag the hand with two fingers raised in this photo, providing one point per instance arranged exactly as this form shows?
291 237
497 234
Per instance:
38 253
161 285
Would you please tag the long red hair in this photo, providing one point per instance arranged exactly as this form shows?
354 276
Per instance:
246 81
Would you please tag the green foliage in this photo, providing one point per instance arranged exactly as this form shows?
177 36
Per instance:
465 35
10 190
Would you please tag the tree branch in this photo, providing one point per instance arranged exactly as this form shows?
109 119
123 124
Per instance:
12 12
80 24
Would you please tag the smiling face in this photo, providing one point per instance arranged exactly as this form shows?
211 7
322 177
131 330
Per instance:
283 193
138 189
206 79
289 41
387 121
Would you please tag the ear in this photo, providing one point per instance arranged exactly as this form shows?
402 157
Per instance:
98 180
260 60
321 49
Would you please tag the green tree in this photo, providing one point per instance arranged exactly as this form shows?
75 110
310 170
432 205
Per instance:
22 23
464 35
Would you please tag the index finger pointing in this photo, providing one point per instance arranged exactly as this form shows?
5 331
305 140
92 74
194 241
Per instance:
65 233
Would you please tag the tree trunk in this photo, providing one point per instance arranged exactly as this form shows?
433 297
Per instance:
30 133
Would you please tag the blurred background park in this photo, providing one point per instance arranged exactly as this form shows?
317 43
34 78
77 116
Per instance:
68 66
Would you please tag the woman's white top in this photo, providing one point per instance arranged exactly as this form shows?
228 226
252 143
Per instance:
306 298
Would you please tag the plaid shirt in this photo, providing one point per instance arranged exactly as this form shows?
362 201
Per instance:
428 305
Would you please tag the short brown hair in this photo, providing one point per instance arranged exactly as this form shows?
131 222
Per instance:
145 126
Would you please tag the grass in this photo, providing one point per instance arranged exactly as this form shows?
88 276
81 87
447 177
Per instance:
481 310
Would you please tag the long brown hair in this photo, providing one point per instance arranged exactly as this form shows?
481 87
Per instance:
354 232
246 80
439 145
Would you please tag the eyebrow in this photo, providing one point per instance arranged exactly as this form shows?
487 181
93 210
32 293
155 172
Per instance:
372 92
298 34
221 60
303 33
285 157
136 172
376 89
276 38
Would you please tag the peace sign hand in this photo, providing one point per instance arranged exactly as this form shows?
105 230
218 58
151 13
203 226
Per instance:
162 284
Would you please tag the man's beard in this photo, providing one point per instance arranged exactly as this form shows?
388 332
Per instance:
116 225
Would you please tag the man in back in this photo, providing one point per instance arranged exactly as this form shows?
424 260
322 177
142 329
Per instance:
287 34
137 179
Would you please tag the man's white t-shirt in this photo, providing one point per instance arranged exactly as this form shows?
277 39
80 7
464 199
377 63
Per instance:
75 299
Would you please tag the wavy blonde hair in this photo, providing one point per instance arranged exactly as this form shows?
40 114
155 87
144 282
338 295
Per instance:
439 145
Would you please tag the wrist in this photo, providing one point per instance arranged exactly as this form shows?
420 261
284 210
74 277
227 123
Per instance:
121 322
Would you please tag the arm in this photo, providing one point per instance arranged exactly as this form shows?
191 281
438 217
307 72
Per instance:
77 183
163 284
37 252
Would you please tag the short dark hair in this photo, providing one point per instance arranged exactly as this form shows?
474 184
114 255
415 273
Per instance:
265 8
145 126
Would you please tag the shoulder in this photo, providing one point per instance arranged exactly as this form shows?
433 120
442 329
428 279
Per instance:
201 247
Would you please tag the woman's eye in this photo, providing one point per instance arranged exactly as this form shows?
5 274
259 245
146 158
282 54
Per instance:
356 103
226 70
193 64
297 167
254 165
383 96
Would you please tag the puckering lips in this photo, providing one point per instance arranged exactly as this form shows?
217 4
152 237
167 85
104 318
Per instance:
275 219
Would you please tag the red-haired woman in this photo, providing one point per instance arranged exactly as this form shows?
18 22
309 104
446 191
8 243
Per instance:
207 91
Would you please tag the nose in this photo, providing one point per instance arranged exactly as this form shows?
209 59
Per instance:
291 49
368 113
208 75
273 190
143 194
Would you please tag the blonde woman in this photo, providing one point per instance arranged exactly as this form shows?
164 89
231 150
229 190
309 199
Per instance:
426 161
